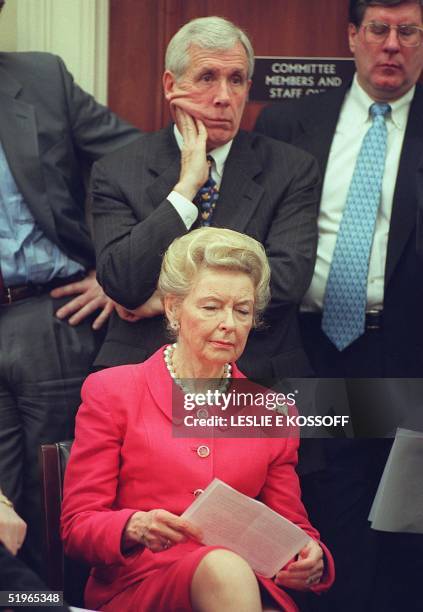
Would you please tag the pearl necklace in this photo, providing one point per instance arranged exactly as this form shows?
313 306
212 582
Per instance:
168 357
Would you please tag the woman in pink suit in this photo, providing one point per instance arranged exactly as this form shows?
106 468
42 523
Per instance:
129 480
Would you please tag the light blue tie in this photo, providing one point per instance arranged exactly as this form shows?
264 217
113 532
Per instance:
344 308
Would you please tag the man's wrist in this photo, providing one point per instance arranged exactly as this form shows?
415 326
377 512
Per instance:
187 190
4 500
184 207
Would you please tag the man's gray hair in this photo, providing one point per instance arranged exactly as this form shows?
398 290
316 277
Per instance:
213 33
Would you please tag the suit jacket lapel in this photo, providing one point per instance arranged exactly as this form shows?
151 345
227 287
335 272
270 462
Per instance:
239 193
167 396
164 163
404 211
18 135
316 131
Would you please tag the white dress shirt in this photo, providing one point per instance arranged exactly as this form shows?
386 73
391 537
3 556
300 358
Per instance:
353 123
184 207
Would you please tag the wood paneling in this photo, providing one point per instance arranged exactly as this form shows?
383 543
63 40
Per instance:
141 29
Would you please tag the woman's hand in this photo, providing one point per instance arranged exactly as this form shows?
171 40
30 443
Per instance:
157 530
305 572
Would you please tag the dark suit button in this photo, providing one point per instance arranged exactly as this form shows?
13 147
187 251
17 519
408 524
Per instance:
198 492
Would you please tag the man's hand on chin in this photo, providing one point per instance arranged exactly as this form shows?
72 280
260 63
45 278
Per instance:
194 167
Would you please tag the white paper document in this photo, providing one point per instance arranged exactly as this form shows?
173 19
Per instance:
244 525
398 504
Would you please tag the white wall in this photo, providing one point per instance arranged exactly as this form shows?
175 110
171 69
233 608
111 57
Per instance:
77 30
8 26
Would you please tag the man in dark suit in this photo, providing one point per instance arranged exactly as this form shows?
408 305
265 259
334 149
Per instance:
50 299
374 571
392 343
148 194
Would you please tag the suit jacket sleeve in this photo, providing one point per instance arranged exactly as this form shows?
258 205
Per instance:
96 131
282 493
419 233
130 240
291 241
90 525
279 121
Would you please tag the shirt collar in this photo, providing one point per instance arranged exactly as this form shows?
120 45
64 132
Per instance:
361 102
219 155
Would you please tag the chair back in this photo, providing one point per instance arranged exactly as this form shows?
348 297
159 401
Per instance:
61 573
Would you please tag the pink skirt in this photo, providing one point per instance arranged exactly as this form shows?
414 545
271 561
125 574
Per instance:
167 589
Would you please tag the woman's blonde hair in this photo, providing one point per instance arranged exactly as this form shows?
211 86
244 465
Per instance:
217 249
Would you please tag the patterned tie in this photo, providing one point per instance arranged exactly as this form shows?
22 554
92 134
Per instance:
344 308
206 197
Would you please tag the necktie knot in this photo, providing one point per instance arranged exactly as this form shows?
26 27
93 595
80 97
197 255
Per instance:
379 109
210 181
206 197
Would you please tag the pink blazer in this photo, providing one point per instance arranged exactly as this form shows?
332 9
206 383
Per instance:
125 459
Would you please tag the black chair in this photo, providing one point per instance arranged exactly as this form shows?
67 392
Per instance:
61 573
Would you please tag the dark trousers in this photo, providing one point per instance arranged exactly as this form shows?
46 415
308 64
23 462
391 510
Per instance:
16 576
375 571
362 359
43 362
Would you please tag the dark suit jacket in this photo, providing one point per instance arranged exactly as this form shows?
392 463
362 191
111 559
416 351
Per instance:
310 124
269 191
48 127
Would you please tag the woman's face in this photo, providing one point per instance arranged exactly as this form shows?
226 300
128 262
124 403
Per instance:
216 316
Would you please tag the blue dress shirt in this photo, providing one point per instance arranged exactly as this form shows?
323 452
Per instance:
26 254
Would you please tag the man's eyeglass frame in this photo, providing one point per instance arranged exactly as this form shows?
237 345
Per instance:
384 35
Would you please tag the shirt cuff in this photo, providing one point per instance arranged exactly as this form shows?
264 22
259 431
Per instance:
185 208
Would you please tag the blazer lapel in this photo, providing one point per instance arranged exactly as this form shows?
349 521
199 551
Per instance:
316 130
239 193
404 211
164 163
18 135
166 394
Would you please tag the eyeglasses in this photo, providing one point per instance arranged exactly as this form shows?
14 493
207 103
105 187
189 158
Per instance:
376 32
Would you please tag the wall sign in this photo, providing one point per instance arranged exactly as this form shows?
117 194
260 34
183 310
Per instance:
278 78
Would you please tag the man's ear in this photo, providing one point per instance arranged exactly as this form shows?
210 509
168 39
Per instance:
249 83
352 34
168 84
